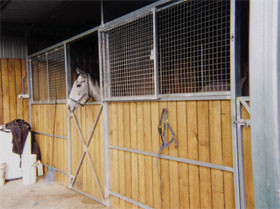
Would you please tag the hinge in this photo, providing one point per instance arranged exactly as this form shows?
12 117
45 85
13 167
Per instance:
241 122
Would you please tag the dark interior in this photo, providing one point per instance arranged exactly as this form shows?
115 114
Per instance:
46 22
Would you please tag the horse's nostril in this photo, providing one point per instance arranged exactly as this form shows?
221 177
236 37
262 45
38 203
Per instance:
78 85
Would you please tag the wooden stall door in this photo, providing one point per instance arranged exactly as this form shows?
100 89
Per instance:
87 146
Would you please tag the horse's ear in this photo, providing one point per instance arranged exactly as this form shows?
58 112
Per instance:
79 71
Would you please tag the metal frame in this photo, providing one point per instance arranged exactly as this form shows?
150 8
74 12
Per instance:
241 101
238 194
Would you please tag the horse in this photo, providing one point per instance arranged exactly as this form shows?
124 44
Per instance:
83 88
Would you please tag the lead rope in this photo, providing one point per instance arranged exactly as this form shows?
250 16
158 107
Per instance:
163 139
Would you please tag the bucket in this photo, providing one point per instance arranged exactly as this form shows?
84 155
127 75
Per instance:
29 168
2 173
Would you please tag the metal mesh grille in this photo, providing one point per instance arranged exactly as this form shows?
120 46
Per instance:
194 47
56 70
39 78
131 64
48 76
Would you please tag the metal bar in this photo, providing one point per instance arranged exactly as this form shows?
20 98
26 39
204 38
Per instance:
155 49
133 15
106 153
67 58
94 124
240 153
79 129
29 86
246 106
49 102
94 175
141 205
78 168
101 12
101 67
177 159
89 196
233 106
170 5
183 97
107 71
48 84
60 171
202 76
46 134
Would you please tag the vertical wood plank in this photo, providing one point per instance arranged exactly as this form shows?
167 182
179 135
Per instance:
216 153
121 162
164 172
204 153
183 152
227 153
148 160
1 95
102 170
155 147
18 75
12 89
140 143
134 157
247 162
6 93
193 154
173 165
127 144
115 183
25 101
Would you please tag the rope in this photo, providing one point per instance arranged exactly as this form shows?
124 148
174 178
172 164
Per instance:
164 144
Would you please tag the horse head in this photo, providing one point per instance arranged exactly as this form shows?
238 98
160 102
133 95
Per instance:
83 88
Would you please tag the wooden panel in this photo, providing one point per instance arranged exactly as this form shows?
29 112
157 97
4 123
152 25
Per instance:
59 157
183 152
12 89
155 147
203 130
148 169
1 95
227 153
193 154
127 155
216 153
18 75
204 153
6 92
164 172
85 180
247 162
25 84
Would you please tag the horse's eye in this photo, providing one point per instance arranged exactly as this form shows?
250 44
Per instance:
78 85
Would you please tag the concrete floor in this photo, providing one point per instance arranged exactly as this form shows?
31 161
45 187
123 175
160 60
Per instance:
42 195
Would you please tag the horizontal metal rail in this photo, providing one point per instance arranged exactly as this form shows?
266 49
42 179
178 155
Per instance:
56 169
46 134
89 196
177 159
64 101
141 205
